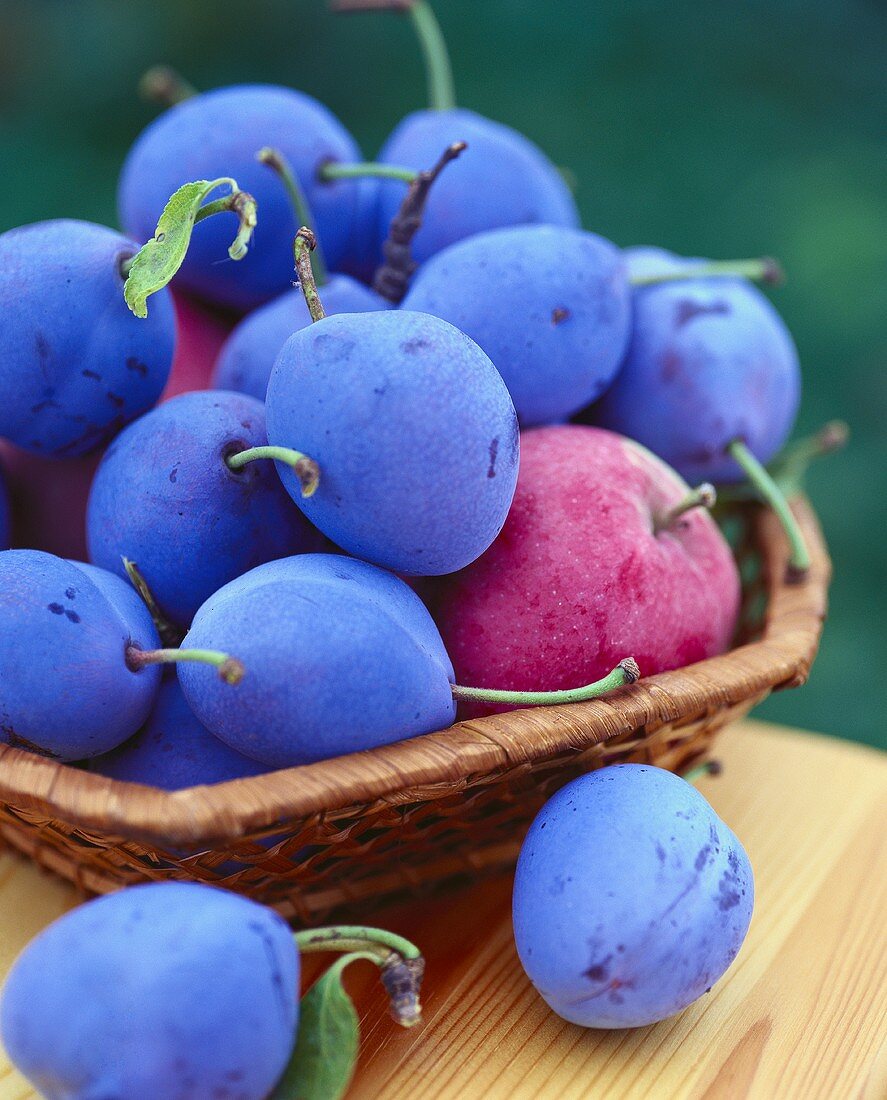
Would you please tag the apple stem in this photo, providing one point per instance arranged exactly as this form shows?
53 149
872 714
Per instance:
306 469
275 160
703 496
337 170
626 672
230 669
163 85
303 246
393 277
170 634
400 961
707 767
438 70
799 558
763 270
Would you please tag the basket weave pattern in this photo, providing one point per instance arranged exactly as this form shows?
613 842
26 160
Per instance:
373 825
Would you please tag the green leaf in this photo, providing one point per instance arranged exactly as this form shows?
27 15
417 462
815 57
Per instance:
325 1053
157 261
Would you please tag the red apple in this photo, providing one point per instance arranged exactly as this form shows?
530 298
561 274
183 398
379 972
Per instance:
586 572
200 333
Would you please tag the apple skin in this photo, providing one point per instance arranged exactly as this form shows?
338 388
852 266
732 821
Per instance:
201 332
577 580
48 495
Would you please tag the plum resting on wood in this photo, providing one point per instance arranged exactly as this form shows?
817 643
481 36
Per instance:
587 569
631 897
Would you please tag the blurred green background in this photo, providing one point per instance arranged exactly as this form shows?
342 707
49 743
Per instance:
724 129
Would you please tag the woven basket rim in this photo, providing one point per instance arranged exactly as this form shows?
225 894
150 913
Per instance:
406 770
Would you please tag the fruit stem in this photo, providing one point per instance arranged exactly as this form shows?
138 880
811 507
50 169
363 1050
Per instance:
789 468
170 634
162 84
337 170
303 246
393 277
799 558
707 767
306 469
438 70
764 270
230 669
626 672
400 961
243 205
703 496
304 216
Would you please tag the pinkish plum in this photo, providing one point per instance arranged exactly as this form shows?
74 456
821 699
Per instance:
589 567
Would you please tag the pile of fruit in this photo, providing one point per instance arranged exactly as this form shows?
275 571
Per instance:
445 469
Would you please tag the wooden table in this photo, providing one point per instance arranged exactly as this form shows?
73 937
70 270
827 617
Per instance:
801 1013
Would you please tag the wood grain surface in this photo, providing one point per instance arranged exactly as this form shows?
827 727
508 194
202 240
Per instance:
801 1014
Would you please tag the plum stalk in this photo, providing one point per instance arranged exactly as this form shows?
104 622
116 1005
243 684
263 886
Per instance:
626 672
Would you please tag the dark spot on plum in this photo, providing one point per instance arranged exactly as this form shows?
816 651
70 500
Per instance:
559 314
116 400
55 608
418 343
615 998
72 616
70 593
46 403
686 309
136 365
702 857
620 947
173 474
599 971
660 853
728 896
733 861
91 374
494 450
380 391
246 424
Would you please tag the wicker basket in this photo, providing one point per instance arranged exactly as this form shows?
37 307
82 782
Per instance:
346 832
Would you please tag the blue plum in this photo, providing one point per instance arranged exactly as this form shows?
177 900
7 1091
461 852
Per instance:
363 254
77 365
246 359
413 430
218 134
502 179
550 306
709 361
171 990
173 750
66 690
165 497
631 897
341 656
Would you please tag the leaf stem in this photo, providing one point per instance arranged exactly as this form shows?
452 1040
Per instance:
303 246
626 672
438 69
275 160
799 558
306 469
